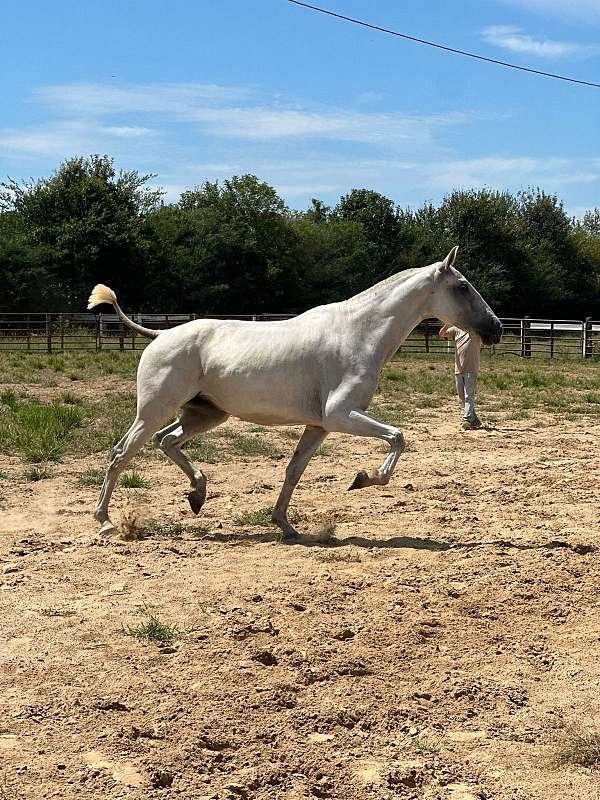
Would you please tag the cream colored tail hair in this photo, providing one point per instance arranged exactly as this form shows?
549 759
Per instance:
101 294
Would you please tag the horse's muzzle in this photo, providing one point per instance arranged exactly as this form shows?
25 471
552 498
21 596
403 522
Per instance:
492 333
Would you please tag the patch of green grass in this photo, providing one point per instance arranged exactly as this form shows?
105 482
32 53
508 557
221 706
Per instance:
252 518
70 399
9 398
154 630
37 431
154 527
205 450
324 450
37 474
242 444
133 480
423 745
3 475
427 402
106 423
391 414
519 413
288 433
394 375
92 477
56 363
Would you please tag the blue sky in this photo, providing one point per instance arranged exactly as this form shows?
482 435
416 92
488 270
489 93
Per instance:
207 89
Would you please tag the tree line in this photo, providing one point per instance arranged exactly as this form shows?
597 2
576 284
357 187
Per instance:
235 247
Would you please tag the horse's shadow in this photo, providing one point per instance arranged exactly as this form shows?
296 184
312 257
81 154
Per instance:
317 540
394 543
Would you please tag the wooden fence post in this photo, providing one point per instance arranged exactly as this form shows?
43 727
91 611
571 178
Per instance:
552 339
61 327
426 335
98 333
49 332
526 337
28 332
587 338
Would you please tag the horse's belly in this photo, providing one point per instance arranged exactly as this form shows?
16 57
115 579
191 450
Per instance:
268 402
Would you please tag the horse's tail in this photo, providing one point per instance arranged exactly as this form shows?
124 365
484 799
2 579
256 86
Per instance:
102 294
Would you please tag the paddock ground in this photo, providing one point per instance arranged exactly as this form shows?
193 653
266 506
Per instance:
443 645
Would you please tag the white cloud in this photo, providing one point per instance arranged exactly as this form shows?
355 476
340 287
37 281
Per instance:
98 99
54 140
509 37
210 132
217 111
60 140
511 173
129 131
412 181
265 124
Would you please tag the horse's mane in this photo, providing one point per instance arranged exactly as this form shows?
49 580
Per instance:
394 280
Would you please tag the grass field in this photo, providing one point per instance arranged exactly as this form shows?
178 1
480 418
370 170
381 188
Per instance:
44 415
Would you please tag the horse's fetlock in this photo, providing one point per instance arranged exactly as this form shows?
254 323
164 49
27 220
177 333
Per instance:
398 440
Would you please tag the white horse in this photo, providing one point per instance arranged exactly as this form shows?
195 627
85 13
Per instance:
319 369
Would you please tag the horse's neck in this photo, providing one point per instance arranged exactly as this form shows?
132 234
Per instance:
390 310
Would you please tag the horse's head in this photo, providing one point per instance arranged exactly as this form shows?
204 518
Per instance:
458 303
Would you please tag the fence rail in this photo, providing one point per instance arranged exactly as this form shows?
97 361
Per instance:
58 332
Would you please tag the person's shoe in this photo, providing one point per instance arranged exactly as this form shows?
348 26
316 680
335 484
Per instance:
470 426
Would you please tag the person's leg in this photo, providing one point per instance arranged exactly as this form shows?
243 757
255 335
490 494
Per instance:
460 387
470 384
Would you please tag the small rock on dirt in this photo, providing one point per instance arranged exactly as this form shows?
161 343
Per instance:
265 657
161 779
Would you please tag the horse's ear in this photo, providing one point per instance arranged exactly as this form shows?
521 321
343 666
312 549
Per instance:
450 258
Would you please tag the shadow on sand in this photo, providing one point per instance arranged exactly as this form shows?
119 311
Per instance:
395 542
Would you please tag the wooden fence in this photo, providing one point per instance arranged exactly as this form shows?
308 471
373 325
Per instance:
59 332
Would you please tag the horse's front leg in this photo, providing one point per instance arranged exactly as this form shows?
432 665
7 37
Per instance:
360 423
305 450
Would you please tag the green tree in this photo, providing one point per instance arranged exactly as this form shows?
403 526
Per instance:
561 274
240 234
87 218
484 224
386 238
24 274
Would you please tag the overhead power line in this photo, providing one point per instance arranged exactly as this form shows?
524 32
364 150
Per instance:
442 46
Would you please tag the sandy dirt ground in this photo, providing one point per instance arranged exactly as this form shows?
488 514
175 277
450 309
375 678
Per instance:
440 647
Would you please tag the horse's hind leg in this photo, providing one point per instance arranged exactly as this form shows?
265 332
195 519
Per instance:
138 434
197 416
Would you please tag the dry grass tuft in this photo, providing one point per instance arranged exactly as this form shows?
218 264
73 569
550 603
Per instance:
578 745
132 524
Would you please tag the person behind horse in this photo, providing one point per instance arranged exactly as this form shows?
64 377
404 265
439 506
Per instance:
467 347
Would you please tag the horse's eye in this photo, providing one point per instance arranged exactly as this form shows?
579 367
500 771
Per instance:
463 287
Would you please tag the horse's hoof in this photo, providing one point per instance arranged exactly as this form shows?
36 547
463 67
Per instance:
360 481
196 500
108 529
290 538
